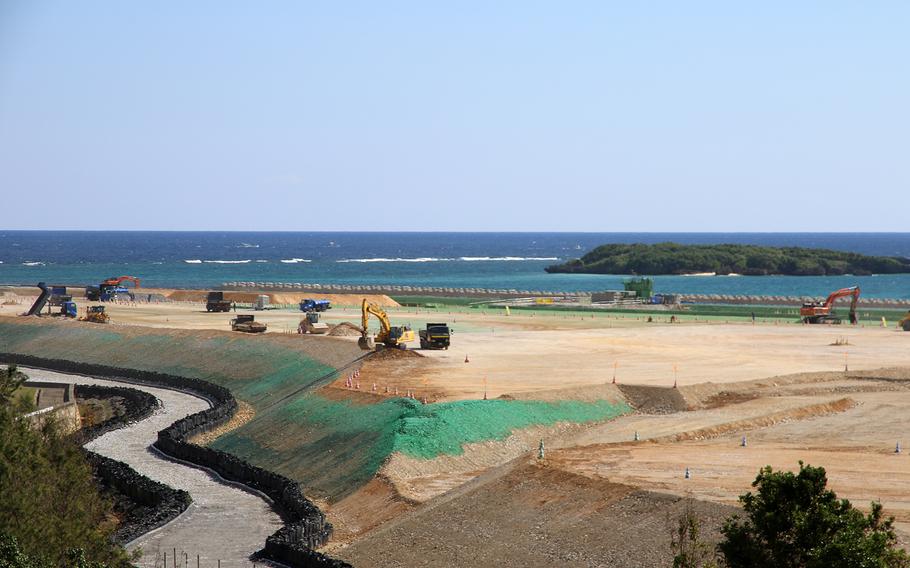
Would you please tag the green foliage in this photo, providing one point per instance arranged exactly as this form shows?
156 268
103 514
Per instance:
673 258
689 550
11 556
10 380
48 498
794 521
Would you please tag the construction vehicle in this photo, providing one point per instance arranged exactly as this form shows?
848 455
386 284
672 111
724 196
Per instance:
309 305
96 314
215 302
39 304
311 324
262 302
111 290
247 324
904 324
823 312
435 336
389 335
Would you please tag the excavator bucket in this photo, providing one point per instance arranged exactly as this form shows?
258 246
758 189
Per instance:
366 343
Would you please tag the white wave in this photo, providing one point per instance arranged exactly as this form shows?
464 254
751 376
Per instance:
261 261
247 246
32 264
423 259
701 274
506 258
295 260
226 261
193 261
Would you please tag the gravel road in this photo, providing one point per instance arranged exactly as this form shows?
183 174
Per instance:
224 522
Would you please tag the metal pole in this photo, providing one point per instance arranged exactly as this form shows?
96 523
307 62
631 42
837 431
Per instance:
197 561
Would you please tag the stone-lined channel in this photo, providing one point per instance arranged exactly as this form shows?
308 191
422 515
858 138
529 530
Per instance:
224 522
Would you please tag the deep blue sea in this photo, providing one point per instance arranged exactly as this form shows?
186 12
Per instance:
477 260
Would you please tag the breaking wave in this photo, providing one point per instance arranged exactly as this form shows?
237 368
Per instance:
295 260
505 258
423 259
198 261
32 264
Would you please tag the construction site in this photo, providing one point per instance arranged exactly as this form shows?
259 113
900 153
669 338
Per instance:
471 429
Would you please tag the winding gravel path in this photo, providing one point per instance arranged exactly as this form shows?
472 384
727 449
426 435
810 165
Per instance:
224 522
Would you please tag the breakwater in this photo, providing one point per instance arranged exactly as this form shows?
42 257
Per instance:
501 293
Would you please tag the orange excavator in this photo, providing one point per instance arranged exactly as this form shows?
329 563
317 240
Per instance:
110 288
823 312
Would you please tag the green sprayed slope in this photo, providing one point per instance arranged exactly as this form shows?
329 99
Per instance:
339 446
258 370
332 447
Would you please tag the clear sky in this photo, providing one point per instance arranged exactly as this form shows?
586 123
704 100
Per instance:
491 115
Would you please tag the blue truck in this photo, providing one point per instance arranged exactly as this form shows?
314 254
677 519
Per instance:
309 305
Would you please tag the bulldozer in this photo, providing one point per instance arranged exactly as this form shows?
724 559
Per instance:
247 324
96 314
823 312
388 336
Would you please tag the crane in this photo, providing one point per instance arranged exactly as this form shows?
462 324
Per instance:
823 312
389 335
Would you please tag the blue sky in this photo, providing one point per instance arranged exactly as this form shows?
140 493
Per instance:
536 116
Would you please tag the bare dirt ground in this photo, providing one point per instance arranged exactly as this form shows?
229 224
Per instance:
531 514
600 492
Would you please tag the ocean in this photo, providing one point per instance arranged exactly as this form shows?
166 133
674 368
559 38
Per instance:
475 260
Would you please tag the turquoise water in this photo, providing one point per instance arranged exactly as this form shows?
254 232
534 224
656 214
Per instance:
476 260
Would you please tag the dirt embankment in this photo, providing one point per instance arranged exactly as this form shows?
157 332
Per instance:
654 400
528 514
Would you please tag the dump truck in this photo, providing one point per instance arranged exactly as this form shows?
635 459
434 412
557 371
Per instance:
215 302
311 324
310 305
435 336
247 324
96 314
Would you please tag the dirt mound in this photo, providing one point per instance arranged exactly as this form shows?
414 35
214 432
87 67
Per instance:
792 415
394 354
345 329
653 400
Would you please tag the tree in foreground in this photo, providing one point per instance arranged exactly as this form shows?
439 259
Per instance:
793 521
49 501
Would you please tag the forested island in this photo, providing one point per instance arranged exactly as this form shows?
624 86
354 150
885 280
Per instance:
674 258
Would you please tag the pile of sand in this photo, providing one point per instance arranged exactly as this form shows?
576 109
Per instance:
345 329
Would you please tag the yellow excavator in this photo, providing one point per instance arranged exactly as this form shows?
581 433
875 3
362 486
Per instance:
389 335
904 324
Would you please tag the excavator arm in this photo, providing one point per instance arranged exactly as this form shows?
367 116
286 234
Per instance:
119 280
818 312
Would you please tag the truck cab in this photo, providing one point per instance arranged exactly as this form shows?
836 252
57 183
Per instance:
435 336
310 305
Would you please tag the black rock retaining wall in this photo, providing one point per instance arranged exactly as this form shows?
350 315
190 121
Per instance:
305 525
153 504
